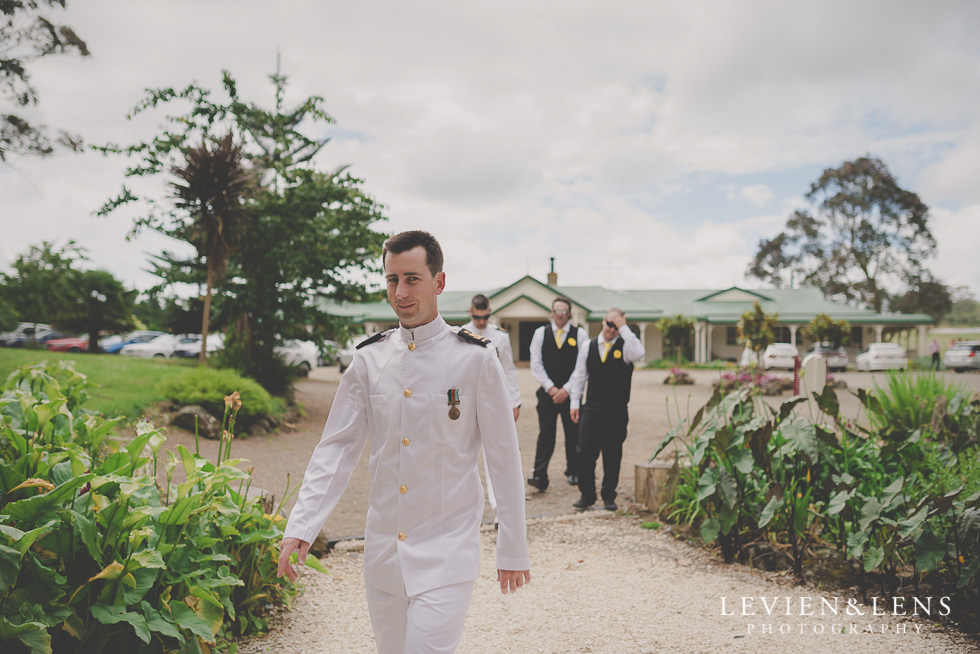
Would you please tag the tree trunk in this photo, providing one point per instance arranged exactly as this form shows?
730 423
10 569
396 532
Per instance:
203 357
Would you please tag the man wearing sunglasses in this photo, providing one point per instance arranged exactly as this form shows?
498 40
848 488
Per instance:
480 325
602 421
558 349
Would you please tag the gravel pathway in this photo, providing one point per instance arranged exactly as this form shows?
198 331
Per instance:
601 583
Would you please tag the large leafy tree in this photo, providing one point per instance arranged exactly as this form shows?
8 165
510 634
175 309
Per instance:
214 185
676 331
40 280
927 296
824 329
27 34
308 234
965 308
98 303
757 329
864 239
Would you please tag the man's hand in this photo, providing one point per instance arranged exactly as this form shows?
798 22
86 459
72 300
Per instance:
574 415
287 547
517 412
511 580
560 396
552 392
618 320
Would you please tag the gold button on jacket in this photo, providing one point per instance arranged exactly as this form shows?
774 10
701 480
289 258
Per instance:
401 536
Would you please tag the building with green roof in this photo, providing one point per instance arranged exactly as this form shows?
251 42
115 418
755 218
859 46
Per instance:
523 306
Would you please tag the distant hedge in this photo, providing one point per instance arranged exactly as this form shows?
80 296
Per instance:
208 387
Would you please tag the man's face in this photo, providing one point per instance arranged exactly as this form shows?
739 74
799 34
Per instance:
411 287
561 313
481 317
609 333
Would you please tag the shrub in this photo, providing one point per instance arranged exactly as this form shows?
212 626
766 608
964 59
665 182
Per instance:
94 557
208 387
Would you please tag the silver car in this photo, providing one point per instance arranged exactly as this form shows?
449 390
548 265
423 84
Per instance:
963 356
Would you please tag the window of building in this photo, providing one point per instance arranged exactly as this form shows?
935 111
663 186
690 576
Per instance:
731 335
857 337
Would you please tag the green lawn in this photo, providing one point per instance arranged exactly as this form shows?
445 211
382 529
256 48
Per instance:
118 385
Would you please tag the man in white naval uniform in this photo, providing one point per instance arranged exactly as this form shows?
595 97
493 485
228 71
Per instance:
428 397
480 325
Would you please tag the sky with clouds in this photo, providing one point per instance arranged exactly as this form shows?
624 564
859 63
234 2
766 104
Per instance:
643 144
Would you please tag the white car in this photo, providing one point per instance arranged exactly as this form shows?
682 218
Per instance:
346 356
189 346
882 356
161 346
780 355
963 356
836 357
303 354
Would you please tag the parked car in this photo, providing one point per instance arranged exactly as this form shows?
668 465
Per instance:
71 344
963 356
113 344
189 346
836 357
329 353
882 356
303 354
780 355
28 331
346 356
161 346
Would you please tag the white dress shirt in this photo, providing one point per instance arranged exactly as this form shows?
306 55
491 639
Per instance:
633 351
501 341
537 363
426 499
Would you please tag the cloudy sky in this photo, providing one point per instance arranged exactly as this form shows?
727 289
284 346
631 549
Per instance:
642 144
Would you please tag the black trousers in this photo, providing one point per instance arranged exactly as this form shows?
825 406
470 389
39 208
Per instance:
548 413
602 430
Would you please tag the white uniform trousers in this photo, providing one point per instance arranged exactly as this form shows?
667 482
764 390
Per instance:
428 623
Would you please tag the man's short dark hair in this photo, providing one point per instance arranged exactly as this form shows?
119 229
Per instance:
480 302
405 241
561 298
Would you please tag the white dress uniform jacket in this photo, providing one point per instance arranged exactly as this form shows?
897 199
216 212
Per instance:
501 341
426 499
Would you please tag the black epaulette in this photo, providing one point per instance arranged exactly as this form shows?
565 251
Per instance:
374 339
470 337
501 329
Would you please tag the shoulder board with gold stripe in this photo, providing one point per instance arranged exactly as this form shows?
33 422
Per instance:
374 339
470 337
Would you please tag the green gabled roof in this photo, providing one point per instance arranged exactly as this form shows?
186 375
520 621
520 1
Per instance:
517 299
599 300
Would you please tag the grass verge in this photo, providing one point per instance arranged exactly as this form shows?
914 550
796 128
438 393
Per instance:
118 385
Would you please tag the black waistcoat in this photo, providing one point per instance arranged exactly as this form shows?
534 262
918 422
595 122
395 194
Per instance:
559 364
609 381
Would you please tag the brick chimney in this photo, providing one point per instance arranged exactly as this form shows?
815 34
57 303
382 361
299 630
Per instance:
552 275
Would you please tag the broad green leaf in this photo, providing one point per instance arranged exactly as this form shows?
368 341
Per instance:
929 551
188 619
743 461
873 556
157 622
802 436
870 511
727 517
908 526
838 502
855 544
9 567
967 573
707 483
710 529
728 487
768 512
26 511
116 614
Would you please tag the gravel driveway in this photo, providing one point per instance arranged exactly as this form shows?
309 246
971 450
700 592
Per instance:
600 583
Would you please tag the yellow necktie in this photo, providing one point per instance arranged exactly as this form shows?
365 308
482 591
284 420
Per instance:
558 334
605 352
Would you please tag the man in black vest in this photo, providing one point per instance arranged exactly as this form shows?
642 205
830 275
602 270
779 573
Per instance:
557 351
609 371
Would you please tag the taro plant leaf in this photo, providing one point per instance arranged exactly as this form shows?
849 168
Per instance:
9 567
144 579
942 504
116 614
838 502
768 511
909 526
759 444
889 495
827 438
827 401
728 487
32 633
727 516
802 435
9 478
929 551
787 407
870 511
159 623
856 542
710 529
967 573
26 511
873 556
188 619
743 461
969 528
707 484
702 442
668 439
25 541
